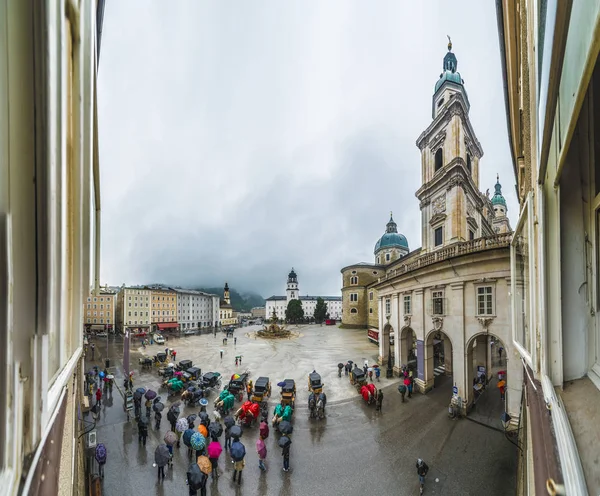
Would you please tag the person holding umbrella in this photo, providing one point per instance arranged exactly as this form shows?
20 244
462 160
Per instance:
261 450
408 386
142 430
214 452
229 423
377 373
340 367
101 458
170 439
98 396
238 452
263 429
402 391
285 443
196 479
161 459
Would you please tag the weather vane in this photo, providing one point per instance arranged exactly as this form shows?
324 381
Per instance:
449 42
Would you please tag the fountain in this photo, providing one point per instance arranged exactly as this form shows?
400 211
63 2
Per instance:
273 330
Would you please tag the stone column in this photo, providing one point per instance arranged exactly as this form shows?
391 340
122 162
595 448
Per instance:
383 352
470 375
397 325
488 362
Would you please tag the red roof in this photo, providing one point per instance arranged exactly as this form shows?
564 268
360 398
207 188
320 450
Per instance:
167 325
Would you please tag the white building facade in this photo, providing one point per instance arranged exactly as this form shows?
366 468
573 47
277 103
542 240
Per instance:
279 303
197 310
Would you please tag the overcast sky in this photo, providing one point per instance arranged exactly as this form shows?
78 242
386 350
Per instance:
241 139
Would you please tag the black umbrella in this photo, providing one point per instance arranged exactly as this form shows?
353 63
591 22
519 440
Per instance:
162 455
187 435
176 404
137 395
340 365
215 429
204 418
156 400
285 427
158 407
191 417
237 451
284 441
229 422
195 477
235 432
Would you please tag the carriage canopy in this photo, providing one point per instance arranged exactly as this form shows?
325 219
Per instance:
315 380
261 384
289 386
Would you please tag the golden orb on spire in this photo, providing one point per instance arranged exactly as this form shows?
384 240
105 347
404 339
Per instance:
449 42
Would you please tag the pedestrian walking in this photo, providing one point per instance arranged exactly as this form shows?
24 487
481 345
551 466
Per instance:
158 419
409 386
227 438
148 405
238 453
371 375
167 351
98 396
286 457
236 361
101 458
235 340
214 452
402 391
174 355
365 368
377 373
249 390
379 400
240 357
422 470
221 354
224 340
500 350
93 350
346 368
261 450
142 432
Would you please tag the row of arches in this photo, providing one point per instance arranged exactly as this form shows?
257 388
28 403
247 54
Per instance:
436 363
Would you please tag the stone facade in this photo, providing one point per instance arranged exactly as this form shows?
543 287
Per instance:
445 302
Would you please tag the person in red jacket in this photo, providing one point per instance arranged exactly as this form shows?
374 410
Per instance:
98 396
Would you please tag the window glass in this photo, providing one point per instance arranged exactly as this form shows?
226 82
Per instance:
388 306
438 302
439 239
407 305
485 300
521 282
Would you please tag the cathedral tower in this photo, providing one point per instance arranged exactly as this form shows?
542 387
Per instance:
450 201
292 286
226 296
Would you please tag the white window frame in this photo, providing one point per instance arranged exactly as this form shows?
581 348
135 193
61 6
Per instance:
407 299
388 306
433 298
353 297
525 222
492 288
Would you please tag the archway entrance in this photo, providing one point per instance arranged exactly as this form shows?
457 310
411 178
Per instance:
439 359
408 349
386 352
486 366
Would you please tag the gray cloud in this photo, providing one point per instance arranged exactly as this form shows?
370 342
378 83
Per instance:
237 143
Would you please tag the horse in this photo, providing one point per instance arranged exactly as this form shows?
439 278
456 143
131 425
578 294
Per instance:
312 406
320 408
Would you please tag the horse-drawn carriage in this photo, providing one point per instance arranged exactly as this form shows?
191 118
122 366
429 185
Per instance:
288 393
211 380
160 360
195 373
224 402
193 394
183 365
262 390
247 413
237 385
146 363
314 383
174 386
358 378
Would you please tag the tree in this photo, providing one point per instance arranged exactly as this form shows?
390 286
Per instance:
320 311
294 312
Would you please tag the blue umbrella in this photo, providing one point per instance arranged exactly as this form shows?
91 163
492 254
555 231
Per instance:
237 451
187 435
140 390
235 432
281 384
101 374
229 422
203 402
198 442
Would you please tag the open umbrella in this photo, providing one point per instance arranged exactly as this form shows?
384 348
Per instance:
340 365
195 477
204 418
204 402
370 369
281 384
203 430
235 376
162 455
375 366
215 429
101 375
237 451
214 449
192 417
156 400
170 438
235 432
150 395
100 453
285 427
181 425
284 441
229 422
176 404
187 435
158 407
261 449
264 430
197 441
139 392
501 384
204 464
110 376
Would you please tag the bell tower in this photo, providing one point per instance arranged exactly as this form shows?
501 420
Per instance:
226 296
450 201
292 286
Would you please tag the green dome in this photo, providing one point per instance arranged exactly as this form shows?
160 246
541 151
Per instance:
498 199
453 77
391 238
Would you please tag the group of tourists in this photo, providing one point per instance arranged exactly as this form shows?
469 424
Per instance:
407 384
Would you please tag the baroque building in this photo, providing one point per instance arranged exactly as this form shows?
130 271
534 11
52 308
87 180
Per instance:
278 304
226 317
446 304
99 310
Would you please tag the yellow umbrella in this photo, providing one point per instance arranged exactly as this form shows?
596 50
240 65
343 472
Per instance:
202 429
501 384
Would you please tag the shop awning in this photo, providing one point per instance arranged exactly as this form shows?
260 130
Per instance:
167 325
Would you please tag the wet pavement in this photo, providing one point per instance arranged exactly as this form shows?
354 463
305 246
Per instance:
354 450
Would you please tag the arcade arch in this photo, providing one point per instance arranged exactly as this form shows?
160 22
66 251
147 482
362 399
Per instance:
438 359
408 348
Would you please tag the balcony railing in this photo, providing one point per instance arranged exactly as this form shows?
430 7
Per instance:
456 250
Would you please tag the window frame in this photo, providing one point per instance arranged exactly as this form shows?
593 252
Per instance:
353 297
439 151
441 298
388 306
407 298
492 294
439 228
354 310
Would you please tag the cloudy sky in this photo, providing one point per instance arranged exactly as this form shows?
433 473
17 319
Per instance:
241 139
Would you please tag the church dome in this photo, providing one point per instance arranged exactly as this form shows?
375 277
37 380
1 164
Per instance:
498 199
391 238
292 274
450 73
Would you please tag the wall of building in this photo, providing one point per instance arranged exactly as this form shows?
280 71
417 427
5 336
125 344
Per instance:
164 306
366 275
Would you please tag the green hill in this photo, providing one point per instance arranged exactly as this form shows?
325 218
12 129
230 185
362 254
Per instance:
243 302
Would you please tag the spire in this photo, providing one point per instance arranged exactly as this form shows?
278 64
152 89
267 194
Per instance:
450 62
498 199
391 226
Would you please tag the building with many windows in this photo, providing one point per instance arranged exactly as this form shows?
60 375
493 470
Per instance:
278 304
133 309
197 310
551 65
446 304
163 314
99 310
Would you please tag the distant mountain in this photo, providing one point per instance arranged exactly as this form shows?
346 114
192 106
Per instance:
242 302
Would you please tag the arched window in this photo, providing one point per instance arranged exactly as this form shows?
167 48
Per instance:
438 160
353 310
354 280
469 163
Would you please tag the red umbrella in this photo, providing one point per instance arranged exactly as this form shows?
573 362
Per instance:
264 430
214 449
406 381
